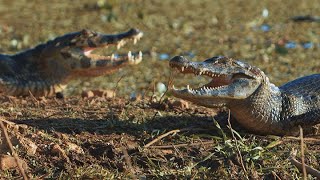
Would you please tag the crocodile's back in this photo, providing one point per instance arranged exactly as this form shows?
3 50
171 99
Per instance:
301 99
304 86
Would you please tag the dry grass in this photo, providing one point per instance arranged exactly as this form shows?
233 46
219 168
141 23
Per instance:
111 134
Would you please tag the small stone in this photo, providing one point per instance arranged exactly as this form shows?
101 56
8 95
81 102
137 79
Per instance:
75 148
98 93
265 13
135 97
103 93
164 56
23 129
109 93
87 94
9 162
29 145
56 149
161 87
180 104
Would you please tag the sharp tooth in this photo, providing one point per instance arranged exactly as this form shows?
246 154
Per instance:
182 69
130 56
200 72
135 40
188 87
119 45
140 54
173 87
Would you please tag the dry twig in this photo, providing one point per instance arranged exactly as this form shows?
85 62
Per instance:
128 162
161 137
236 141
15 155
302 154
182 145
288 138
117 84
168 133
309 169
302 166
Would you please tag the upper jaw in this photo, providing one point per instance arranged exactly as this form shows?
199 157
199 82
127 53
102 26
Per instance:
118 40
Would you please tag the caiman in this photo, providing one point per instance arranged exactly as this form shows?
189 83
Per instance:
47 68
257 104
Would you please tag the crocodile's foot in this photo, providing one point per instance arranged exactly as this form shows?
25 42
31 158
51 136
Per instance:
47 68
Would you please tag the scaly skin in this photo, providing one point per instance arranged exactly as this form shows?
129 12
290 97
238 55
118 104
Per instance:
256 104
46 69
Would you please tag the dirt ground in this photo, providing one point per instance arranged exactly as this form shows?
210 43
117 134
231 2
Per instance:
109 138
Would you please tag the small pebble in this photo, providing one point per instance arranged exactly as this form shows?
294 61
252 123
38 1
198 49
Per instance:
307 45
75 148
164 56
265 27
290 45
87 94
9 162
161 88
57 150
265 13
180 104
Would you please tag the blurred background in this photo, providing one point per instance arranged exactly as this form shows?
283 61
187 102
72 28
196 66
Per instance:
280 37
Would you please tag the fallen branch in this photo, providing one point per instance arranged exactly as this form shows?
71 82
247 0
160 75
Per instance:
302 166
288 138
182 145
309 169
168 133
161 137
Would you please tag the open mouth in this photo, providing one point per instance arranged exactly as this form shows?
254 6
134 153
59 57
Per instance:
119 41
218 81
221 75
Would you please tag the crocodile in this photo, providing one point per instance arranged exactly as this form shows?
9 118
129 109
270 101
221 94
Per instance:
46 69
256 104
